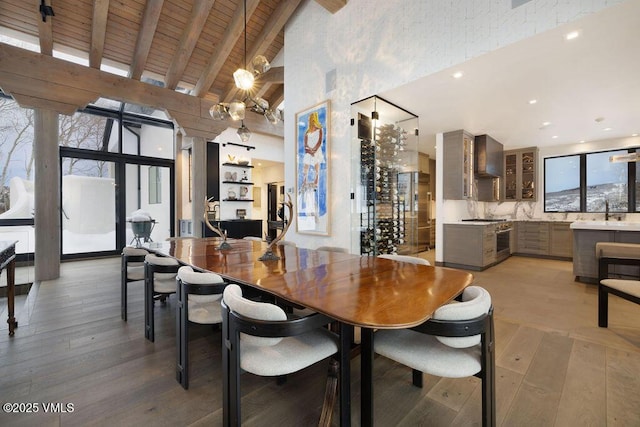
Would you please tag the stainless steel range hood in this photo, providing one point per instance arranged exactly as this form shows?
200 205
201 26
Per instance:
488 157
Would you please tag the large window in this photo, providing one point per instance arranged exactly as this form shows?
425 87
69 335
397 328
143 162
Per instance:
588 182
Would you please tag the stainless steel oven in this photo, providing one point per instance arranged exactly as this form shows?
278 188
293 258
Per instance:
503 240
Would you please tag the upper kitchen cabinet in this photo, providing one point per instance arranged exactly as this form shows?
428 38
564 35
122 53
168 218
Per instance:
520 173
458 168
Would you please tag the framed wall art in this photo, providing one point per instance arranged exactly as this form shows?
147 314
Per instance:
312 169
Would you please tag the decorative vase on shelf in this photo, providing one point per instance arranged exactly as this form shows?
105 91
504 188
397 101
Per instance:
231 195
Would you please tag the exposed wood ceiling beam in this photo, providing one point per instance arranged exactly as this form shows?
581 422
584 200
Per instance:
332 5
277 97
223 49
274 76
145 37
45 32
98 32
41 81
276 22
199 14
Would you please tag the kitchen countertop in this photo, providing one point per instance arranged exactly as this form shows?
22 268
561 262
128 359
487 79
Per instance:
606 225
477 222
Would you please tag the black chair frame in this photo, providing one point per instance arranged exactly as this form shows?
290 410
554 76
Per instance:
233 324
124 281
483 326
150 295
604 290
185 289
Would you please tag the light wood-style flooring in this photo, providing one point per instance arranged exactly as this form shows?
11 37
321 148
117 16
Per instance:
555 367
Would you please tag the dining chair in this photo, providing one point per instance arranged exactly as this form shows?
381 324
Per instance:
617 281
159 283
405 258
258 338
198 302
457 342
131 270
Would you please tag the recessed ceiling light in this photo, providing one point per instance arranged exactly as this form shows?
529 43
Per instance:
606 129
457 74
582 141
572 35
554 137
634 134
546 123
533 101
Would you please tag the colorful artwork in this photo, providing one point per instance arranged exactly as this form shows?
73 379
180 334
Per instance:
312 152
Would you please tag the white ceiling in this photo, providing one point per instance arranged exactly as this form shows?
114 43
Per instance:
575 82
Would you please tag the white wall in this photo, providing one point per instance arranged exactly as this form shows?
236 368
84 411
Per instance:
377 46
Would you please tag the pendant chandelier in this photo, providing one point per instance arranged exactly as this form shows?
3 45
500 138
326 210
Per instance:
244 80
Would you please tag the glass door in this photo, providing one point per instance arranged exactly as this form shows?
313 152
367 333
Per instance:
88 206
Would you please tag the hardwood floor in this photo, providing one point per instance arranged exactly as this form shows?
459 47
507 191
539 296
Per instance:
555 367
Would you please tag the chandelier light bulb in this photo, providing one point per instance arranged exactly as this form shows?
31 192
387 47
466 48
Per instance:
243 79
236 110
244 133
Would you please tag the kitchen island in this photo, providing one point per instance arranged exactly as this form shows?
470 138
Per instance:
585 236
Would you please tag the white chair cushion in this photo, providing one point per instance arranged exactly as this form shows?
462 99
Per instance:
160 260
476 302
204 309
206 313
405 258
130 251
425 353
291 354
164 283
135 271
255 310
631 287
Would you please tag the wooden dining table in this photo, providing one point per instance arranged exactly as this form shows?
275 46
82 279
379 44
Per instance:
367 292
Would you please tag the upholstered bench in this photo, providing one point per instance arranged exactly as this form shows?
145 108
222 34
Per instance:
618 283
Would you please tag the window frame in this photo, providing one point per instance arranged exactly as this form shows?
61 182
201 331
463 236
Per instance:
631 181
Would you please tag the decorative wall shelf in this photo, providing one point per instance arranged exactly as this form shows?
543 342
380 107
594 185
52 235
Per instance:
238 182
236 165
237 200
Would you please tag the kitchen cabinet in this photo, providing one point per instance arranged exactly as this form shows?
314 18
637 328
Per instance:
532 237
560 239
585 263
520 174
423 163
469 246
544 238
458 169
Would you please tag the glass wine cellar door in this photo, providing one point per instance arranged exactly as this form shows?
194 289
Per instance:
385 155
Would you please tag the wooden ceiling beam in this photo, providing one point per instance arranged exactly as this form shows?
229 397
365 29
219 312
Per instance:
277 97
98 32
269 32
223 49
45 29
199 14
332 6
274 76
41 81
145 37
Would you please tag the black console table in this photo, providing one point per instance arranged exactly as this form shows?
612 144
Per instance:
8 262
236 228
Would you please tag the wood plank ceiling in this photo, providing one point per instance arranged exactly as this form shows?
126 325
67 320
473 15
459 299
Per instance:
191 45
